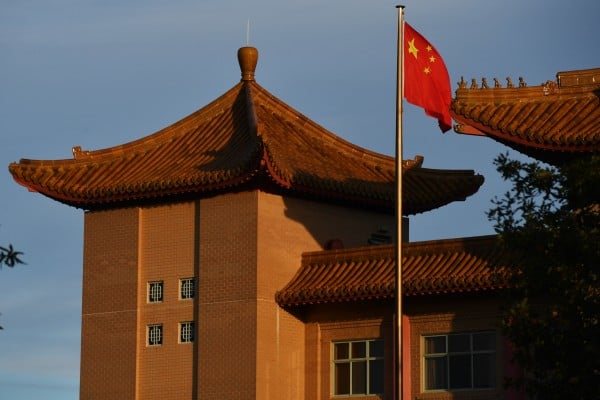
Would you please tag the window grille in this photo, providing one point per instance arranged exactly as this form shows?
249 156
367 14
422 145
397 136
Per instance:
155 335
186 332
155 292
187 288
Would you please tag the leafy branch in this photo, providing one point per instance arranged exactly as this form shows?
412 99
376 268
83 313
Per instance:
549 224
10 257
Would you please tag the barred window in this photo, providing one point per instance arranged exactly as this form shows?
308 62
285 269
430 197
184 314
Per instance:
460 361
186 332
358 368
155 292
187 288
155 335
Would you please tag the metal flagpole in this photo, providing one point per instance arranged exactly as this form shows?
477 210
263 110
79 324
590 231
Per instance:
399 94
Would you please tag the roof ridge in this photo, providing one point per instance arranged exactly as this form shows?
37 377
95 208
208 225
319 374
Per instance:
468 264
139 145
280 104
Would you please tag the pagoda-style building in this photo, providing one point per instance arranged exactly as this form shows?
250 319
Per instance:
552 122
244 253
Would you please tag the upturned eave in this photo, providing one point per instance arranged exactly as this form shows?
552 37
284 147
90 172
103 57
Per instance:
554 121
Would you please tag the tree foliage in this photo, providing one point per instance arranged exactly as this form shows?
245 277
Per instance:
549 223
9 256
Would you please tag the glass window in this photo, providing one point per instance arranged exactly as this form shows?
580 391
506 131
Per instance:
358 368
436 373
155 292
460 361
155 335
187 288
186 332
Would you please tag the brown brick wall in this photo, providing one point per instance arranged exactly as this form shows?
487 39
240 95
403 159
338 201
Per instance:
167 238
426 315
286 228
109 313
447 314
241 248
321 222
227 297
340 322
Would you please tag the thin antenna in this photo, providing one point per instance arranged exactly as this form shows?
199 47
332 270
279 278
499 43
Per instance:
248 33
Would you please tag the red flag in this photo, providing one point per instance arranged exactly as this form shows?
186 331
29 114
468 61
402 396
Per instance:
426 80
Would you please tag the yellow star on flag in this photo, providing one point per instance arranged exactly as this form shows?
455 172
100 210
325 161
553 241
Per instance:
412 49
426 79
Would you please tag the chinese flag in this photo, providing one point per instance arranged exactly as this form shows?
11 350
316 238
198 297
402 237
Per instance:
426 80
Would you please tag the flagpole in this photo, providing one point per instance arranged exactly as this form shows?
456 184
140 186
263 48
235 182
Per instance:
399 110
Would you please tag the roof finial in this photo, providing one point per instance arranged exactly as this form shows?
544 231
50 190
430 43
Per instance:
247 57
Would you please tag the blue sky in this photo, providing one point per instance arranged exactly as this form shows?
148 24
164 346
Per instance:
99 73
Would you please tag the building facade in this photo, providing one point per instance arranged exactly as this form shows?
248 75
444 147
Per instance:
244 253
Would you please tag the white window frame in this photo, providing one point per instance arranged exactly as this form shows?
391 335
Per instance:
154 335
185 292
156 292
187 332
447 354
352 360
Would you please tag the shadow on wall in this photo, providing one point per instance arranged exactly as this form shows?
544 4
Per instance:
336 226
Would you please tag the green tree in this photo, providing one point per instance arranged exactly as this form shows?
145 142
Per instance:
9 257
549 225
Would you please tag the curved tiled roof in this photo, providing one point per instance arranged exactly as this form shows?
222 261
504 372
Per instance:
245 139
552 122
363 273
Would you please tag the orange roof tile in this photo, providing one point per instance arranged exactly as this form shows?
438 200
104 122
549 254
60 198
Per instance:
552 122
432 267
245 139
